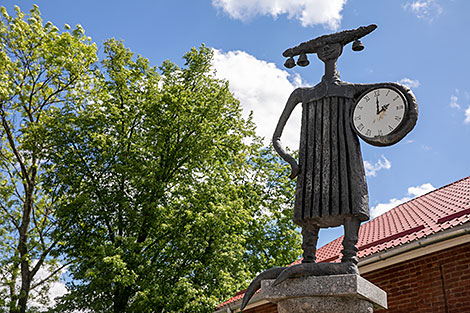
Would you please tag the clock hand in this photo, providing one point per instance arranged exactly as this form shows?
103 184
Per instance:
377 101
384 108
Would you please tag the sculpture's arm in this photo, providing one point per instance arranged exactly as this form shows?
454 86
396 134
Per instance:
411 99
294 99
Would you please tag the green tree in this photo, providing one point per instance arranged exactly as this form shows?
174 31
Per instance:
40 68
171 204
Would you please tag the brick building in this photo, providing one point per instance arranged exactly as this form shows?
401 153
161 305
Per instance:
418 252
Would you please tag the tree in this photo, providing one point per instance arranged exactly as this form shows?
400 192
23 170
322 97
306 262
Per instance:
170 202
41 68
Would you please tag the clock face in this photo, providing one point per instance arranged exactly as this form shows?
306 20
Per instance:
378 113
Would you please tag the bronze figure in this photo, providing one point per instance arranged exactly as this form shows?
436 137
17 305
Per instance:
331 185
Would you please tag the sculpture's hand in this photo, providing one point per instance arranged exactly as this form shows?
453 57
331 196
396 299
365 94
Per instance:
295 170
287 157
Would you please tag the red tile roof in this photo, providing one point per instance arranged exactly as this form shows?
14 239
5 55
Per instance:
438 210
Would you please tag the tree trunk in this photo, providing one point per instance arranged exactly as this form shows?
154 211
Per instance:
25 273
26 276
24 293
121 299
13 308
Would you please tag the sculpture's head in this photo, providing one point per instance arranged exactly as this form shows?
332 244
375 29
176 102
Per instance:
330 51
328 47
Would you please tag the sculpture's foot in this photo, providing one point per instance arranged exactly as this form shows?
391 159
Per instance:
316 269
298 270
272 273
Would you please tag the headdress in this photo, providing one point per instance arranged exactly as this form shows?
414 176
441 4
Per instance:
344 37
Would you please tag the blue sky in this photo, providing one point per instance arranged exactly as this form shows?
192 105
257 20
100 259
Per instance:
421 43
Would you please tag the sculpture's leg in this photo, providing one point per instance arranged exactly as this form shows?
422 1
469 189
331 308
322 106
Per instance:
351 231
308 266
309 242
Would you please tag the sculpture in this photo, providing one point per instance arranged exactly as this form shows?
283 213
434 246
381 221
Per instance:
331 186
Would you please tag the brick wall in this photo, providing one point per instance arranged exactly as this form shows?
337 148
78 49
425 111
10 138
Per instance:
435 283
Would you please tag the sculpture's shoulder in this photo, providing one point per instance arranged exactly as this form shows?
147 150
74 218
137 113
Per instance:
324 89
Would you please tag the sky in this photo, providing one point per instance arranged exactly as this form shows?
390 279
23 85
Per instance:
420 43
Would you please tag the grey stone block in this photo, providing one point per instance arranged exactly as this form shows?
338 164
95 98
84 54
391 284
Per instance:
325 294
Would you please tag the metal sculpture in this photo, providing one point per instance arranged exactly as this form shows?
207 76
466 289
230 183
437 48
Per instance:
331 185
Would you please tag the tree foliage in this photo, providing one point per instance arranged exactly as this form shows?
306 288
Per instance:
40 68
171 204
146 181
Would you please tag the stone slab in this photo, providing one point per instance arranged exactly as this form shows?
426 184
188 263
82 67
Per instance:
348 286
324 305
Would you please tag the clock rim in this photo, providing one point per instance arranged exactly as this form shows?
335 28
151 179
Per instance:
390 138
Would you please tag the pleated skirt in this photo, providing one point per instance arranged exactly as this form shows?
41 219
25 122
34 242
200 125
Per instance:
331 184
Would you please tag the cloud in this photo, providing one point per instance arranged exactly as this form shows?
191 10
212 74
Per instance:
454 102
372 169
467 115
262 88
420 190
43 296
56 287
410 83
424 9
413 192
308 12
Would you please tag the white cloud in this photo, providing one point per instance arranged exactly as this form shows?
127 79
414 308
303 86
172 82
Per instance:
420 190
424 9
308 12
467 115
56 287
43 295
372 169
454 102
262 88
409 82
413 192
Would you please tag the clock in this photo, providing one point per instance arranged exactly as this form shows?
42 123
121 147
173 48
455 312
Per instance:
381 117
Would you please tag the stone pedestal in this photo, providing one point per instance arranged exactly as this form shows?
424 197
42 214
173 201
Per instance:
325 294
